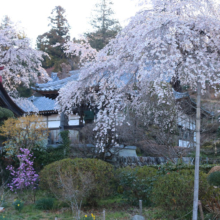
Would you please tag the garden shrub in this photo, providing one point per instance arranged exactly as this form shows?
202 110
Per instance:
214 178
18 205
5 113
48 156
136 183
101 171
44 204
174 191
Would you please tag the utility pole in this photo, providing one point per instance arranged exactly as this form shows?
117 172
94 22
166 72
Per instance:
196 175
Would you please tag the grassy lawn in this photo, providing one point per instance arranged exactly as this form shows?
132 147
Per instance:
115 209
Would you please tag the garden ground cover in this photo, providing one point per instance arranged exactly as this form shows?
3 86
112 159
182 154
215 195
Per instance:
115 209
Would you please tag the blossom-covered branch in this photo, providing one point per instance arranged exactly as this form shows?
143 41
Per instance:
22 64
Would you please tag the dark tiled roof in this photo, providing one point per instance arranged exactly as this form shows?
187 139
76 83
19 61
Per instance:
7 102
180 95
56 84
42 103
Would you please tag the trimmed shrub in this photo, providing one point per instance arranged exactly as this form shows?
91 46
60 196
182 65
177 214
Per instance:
214 178
5 113
101 171
136 183
44 204
174 191
214 169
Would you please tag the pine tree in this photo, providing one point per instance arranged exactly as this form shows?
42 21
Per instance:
106 27
59 22
59 33
6 22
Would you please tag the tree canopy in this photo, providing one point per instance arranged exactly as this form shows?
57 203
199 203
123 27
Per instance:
22 64
28 132
104 24
59 33
174 40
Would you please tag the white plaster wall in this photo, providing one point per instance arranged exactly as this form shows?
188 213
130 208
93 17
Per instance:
53 121
73 122
54 117
73 119
53 124
183 143
74 136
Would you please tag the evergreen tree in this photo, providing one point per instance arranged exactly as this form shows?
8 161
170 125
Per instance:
106 27
6 22
59 33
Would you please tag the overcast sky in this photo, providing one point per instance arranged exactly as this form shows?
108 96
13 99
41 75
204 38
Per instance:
33 14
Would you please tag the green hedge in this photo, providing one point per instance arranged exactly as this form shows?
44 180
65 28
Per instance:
5 113
214 178
136 183
174 192
101 171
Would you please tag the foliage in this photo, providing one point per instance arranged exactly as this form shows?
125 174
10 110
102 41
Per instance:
47 156
25 176
86 217
3 218
59 33
25 132
73 188
214 178
5 113
44 204
18 205
66 140
101 171
136 183
151 52
22 64
106 27
6 22
174 191
24 91
80 48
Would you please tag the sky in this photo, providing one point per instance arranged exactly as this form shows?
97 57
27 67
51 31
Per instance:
33 14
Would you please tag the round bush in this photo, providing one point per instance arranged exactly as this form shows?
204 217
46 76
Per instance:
214 178
174 191
214 169
101 171
136 183
6 113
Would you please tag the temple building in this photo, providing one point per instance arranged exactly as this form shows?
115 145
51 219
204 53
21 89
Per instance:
44 101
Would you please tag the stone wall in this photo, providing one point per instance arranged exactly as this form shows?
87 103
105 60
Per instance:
142 161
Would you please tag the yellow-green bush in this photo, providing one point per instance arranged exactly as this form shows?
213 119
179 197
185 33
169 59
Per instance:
136 183
101 171
174 191
214 178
